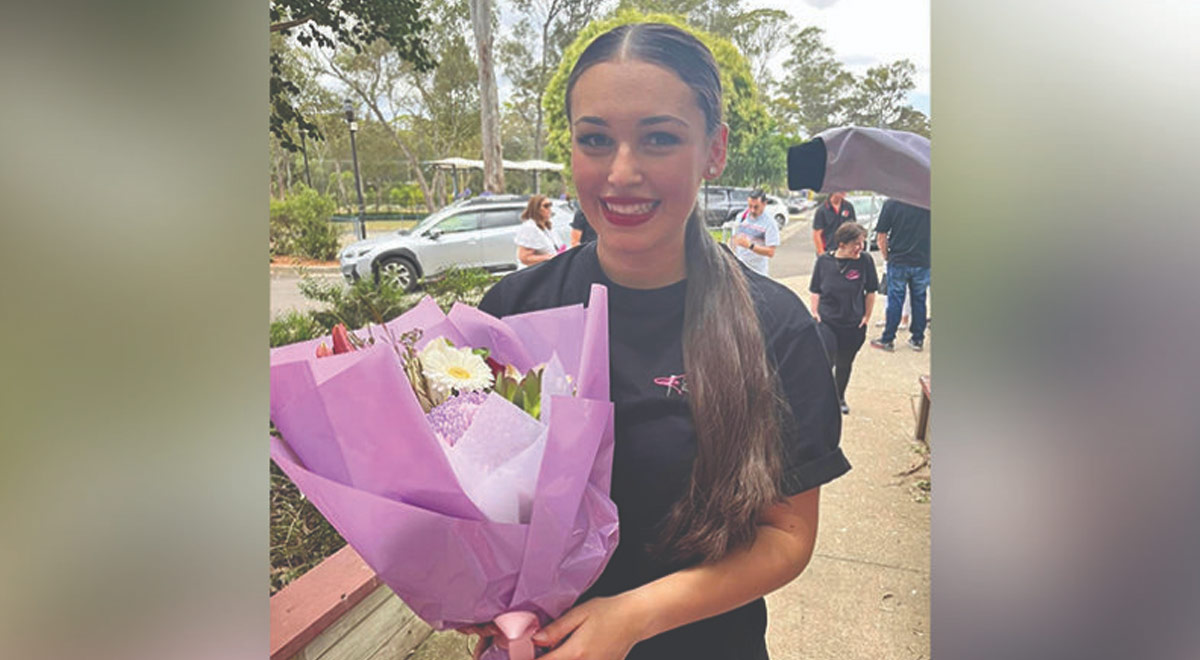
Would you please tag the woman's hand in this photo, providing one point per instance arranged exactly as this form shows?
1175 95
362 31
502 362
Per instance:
600 629
486 633
863 322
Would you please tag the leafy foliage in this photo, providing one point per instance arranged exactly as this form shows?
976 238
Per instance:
350 23
294 326
300 225
744 111
357 305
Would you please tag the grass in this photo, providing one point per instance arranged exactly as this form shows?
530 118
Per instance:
300 536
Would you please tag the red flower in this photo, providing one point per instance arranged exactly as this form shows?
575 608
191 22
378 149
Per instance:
341 340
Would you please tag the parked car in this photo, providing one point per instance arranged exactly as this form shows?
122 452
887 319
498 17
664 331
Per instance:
475 232
866 211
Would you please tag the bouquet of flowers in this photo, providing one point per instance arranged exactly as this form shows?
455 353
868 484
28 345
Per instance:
467 459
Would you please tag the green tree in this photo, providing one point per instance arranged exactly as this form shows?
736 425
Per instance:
712 16
350 23
546 27
744 111
760 34
880 98
812 95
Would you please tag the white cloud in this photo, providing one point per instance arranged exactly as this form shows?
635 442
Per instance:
864 33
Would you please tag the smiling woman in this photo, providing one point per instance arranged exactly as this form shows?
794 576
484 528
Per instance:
726 418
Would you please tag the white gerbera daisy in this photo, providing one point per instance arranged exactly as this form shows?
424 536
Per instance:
448 368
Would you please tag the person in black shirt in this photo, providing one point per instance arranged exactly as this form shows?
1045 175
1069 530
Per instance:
843 290
828 218
581 229
726 417
903 237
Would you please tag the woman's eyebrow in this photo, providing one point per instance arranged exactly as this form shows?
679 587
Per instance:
647 121
658 119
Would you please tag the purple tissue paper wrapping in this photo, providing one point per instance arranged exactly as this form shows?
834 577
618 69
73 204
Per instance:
357 444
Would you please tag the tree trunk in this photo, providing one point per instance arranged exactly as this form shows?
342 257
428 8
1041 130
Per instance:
493 166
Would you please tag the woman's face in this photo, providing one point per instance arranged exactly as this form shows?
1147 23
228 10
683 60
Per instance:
544 209
853 248
639 151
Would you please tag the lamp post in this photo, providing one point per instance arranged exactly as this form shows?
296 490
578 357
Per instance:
360 229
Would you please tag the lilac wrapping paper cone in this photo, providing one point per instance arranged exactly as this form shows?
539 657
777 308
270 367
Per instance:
387 488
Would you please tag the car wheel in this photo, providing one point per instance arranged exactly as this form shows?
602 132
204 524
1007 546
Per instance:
781 220
399 271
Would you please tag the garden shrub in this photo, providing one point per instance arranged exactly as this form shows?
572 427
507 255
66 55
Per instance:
300 225
295 326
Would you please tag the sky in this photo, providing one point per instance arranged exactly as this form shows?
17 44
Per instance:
865 33
862 34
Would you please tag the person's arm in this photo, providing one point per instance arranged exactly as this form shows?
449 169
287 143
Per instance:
815 299
762 250
818 241
607 628
881 239
576 237
867 307
530 256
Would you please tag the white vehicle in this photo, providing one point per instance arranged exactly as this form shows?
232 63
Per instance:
478 232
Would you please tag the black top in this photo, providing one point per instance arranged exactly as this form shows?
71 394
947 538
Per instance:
843 285
828 220
655 441
907 229
581 223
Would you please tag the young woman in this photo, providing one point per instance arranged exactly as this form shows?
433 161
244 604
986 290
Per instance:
726 420
535 238
843 290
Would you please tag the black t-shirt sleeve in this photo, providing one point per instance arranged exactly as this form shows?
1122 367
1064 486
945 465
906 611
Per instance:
850 206
812 432
819 218
872 282
886 214
493 302
814 284
579 221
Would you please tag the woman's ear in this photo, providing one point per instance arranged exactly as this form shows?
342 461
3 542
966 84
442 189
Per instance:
717 150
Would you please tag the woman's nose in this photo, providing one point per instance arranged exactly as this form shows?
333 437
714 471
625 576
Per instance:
624 170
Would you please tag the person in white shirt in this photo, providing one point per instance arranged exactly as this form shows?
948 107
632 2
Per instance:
756 235
535 239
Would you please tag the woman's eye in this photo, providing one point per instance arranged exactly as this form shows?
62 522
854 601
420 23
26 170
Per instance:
662 139
594 140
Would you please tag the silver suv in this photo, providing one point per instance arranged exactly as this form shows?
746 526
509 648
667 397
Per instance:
477 232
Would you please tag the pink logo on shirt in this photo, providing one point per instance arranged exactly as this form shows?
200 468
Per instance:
675 384
853 274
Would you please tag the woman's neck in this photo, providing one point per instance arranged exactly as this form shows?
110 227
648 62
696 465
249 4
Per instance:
651 269
843 255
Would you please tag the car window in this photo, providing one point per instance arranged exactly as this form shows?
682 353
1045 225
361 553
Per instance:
740 196
501 218
714 197
459 223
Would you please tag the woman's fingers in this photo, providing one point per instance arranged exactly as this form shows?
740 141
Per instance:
556 631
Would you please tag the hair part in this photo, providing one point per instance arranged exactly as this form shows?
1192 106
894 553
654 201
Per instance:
533 211
733 394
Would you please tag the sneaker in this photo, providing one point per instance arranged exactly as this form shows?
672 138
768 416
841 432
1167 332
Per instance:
881 324
916 345
883 345
845 408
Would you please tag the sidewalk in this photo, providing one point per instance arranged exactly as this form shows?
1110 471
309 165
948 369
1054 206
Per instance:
866 592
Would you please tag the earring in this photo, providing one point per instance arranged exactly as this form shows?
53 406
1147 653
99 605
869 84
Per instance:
712 170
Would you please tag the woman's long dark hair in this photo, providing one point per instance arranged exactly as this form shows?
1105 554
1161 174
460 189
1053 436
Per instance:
732 391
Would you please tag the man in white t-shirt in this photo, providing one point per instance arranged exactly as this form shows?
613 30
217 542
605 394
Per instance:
755 235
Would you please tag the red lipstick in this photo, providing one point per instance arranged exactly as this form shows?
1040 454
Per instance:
627 211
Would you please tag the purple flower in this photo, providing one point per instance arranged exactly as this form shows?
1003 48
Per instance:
451 418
